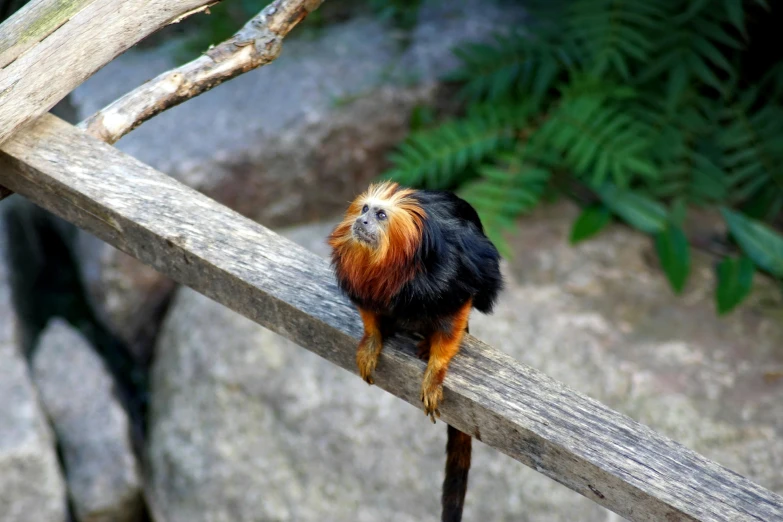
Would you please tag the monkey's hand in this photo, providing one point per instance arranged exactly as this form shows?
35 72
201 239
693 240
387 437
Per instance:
431 393
367 356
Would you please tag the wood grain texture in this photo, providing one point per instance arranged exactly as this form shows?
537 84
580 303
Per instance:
257 43
79 39
570 438
32 23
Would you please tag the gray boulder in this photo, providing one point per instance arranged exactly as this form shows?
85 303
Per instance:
31 485
246 426
92 427
284 144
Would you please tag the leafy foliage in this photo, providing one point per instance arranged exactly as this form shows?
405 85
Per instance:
644 106
505 190
761 243
590 222
672 247
735 279
431 158
403 13
638 210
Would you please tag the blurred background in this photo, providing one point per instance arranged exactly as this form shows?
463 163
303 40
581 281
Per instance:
626 157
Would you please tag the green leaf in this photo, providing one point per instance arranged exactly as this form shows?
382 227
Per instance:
637 210
591 221
421 117
735 279
762 244
694 7
678 211
672 247
736 12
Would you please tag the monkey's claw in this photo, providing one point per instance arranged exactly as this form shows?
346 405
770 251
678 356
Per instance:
431 397
366 363
367 358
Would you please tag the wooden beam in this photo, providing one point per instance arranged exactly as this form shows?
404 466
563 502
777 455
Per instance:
570 438
33 22
68 41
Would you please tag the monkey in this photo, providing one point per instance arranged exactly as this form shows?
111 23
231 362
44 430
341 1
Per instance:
418 261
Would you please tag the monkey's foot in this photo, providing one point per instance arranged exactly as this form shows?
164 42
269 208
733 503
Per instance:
367 357
431 394
423 349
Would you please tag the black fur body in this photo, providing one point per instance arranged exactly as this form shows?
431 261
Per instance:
457 263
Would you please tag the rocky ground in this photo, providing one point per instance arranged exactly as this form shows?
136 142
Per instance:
30 478
246 426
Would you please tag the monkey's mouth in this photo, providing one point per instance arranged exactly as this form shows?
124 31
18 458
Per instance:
363 235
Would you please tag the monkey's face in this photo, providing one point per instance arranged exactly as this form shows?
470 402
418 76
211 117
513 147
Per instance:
371 223
382 227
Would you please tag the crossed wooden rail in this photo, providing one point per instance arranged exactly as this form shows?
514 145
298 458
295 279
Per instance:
577 441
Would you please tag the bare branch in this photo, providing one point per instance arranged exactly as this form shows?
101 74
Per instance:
71 39
257 43
203 8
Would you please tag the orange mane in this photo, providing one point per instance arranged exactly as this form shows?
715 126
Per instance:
376 274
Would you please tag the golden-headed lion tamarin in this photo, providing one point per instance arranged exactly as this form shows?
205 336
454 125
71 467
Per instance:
418 260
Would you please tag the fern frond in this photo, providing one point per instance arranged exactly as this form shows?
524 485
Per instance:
512 64
617 34
597 137
753 144
504 191
735 12
439 157
691 52
772 82
685 146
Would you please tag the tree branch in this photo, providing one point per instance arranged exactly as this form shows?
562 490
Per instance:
54 45
257 43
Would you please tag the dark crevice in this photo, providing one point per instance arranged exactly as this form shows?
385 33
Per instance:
46 283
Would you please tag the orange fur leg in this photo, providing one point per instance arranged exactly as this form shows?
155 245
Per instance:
370 346
444 345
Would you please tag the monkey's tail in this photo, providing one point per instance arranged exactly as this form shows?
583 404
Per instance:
455 484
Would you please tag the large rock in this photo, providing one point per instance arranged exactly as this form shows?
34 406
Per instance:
284 144
246 426
91 425
31 485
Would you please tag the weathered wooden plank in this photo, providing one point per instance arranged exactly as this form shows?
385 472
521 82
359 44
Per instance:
80 38
573 439
32 23
257 43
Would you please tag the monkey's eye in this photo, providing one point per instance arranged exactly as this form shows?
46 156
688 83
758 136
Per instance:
365 208
381 215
